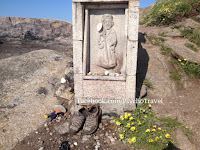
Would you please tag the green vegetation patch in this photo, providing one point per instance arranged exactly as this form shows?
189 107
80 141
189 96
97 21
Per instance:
192 35
142 128
170 11
175 75
191 46
191 69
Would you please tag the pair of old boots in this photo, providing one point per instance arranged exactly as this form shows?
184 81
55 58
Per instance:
88 118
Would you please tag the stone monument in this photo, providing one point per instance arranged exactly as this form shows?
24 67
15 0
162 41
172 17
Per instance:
105 45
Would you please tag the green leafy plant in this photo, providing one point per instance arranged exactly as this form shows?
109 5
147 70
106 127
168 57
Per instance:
191 46
148 83
191 69
169 11
175 75
192 35
165 50
142 128
176 27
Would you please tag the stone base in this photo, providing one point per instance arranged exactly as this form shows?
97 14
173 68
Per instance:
108 107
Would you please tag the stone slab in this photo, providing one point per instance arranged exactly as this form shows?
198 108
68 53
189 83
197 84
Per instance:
78 85
77 56
77 21
104 89
132 50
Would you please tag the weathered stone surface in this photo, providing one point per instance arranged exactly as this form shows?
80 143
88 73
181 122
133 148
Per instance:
161 31
62 128
179 48
183 141
33 29
171 32
22 107
190 23
143 91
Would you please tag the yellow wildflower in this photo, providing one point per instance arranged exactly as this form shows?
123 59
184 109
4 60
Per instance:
187 127
130 141
145 116
179 59
150 140
167 136
129 114
154 126
134 139
132 123
160 137
148 130
143 110
149 105
139 123
126 116
159 128
157 138
185 59
153 130
150 113
131 118
164 130
118 123
122 117
114 121
121 136
128 125
132 128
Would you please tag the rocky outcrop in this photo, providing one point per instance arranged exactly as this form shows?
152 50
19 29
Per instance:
27 85
34 30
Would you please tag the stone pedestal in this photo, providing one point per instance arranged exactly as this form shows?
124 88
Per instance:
105 45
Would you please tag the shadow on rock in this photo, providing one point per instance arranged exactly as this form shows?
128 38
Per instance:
142 64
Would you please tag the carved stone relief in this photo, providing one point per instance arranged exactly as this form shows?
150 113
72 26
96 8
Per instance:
107 42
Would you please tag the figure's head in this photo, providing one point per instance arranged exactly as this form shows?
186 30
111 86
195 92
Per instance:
107 21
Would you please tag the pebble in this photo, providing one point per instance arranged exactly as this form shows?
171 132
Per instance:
51 133
101 134
100 125
36 132
97 147
79 134
106 134
96 137
75 143
72 146
41 148
84 138
98 143
111 121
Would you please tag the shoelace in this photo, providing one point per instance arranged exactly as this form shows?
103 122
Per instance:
89 121
78 120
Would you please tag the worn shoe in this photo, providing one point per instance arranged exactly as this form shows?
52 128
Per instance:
78 120
92 120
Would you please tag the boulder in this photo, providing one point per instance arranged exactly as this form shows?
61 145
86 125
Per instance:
183 141
190 23
178 48
35 29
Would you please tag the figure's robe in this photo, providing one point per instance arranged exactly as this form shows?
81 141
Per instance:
106 53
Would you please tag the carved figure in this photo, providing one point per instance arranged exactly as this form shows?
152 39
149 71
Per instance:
107 42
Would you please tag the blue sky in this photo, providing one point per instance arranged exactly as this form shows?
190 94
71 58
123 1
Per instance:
53 9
